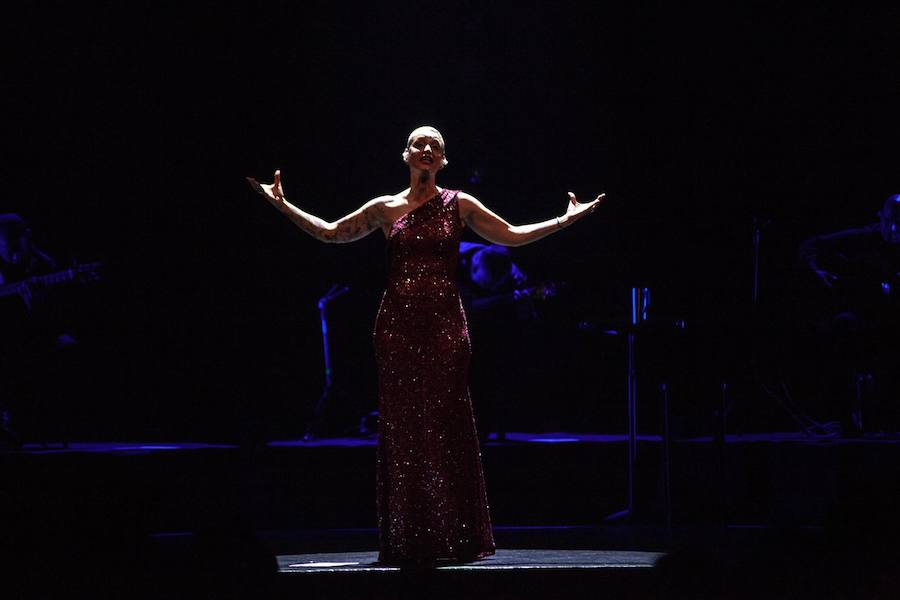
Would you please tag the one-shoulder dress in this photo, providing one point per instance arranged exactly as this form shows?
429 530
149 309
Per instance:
430 487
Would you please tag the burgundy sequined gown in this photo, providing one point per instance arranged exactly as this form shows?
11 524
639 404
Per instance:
430 487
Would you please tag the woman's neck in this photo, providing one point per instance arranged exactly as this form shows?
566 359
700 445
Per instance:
421 186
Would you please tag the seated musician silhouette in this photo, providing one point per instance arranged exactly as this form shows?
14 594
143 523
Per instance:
858 275
19 257
34 340
499 307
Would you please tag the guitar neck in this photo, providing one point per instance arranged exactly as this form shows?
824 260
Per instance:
48 280
53 278
507 298
493 300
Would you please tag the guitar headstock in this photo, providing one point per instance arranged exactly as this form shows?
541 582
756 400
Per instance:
86 273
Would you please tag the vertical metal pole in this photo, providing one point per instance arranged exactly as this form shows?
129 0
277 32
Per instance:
322 317
631 444
314 425
631 416
720 442
756 236
861 424
313 428
666 462
632 396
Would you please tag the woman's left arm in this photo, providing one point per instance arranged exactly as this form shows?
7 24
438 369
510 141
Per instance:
495 229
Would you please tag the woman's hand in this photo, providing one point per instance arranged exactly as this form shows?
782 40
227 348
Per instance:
25 293
576 210
826 277
272 192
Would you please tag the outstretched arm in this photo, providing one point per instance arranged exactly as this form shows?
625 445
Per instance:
358 224
495 229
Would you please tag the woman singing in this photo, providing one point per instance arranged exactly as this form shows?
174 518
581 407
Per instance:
430 489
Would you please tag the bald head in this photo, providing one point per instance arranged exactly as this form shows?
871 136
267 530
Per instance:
426 131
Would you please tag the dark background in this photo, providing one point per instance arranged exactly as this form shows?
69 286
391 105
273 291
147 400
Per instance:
129 132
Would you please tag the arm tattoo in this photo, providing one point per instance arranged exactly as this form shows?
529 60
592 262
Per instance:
347 229
353 228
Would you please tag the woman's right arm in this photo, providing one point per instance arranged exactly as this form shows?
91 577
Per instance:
352 227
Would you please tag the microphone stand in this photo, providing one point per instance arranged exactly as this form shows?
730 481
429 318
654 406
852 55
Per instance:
757 232
640 301
315 425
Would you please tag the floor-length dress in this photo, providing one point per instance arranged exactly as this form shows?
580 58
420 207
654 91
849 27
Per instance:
430 486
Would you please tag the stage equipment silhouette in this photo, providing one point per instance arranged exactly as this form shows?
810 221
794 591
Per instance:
854 316
36 346
315 425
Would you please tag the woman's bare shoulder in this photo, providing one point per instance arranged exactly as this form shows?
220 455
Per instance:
395 199
467 203
383 204
394 202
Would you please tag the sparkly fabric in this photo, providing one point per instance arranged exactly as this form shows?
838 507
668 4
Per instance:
430 487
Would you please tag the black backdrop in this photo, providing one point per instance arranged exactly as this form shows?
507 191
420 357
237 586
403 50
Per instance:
130 131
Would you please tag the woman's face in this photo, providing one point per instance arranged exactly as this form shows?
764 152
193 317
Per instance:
426 152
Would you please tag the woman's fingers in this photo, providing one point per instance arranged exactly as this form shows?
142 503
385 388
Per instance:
592 205
269 191
25 293
276 187
577 210
259 188
595 201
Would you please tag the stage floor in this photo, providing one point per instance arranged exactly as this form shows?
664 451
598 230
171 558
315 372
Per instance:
539 559
510 573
